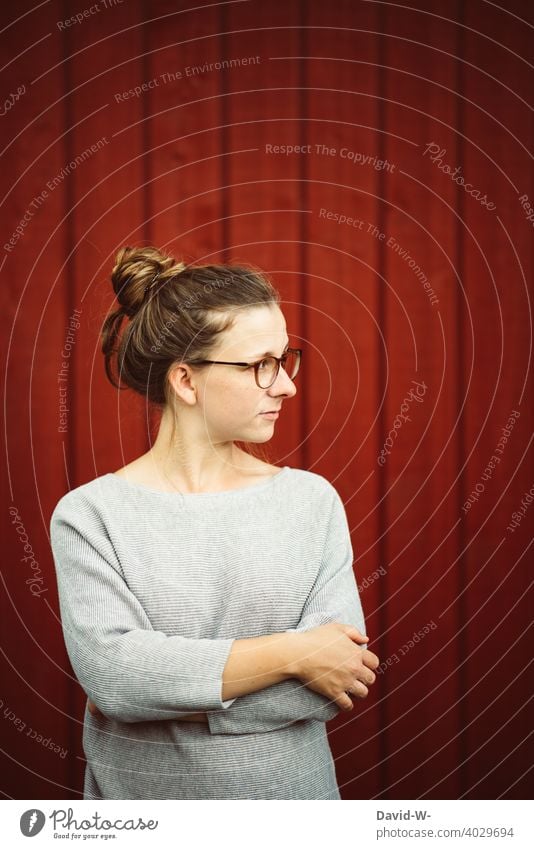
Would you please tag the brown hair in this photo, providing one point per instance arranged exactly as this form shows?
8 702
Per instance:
176 312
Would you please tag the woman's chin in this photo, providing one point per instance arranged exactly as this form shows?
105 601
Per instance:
259 439
256 435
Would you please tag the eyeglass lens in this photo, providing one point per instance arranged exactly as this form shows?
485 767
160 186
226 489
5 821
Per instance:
268 367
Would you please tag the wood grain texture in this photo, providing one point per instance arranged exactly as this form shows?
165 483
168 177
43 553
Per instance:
410 293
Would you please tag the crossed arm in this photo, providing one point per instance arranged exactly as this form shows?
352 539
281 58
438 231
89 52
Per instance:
123 664
333 598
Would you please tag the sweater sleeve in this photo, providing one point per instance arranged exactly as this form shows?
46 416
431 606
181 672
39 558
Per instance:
334 597
130 671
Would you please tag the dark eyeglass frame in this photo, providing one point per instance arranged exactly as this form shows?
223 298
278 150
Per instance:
279 361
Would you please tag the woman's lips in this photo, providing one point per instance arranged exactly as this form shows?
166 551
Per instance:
272 416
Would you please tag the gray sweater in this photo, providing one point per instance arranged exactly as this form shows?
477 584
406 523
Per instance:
153 589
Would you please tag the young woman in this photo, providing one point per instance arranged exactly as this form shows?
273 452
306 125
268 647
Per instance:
208 600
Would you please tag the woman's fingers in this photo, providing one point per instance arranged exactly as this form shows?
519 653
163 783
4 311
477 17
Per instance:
370 659
368 676
354 634
344 702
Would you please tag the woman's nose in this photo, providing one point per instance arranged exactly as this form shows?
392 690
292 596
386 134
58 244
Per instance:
283 384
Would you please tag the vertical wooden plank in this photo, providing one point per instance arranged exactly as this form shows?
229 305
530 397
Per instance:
185 132
118 143
418 454
102 69
36 694
105 211
261 189
342 296
184 135
497 155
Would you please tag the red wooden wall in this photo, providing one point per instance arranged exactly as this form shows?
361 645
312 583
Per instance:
415 317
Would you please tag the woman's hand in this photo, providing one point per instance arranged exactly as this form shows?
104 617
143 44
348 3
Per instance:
329 662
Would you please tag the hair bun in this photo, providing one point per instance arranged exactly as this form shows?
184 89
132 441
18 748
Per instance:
135 271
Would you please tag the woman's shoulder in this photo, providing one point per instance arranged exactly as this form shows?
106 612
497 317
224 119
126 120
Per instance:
81 501
313 480
297 476
252 471
90 503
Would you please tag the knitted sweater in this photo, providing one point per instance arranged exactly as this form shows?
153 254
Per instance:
154 587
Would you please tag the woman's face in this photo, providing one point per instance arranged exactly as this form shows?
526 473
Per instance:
230 404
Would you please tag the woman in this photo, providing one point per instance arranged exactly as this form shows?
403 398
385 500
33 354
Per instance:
208 600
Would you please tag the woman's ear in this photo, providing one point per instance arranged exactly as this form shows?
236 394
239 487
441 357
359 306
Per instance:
181 379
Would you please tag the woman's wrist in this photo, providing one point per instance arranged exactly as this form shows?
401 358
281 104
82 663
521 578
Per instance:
292 653
255 663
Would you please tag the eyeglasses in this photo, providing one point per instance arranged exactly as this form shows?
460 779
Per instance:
266 370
